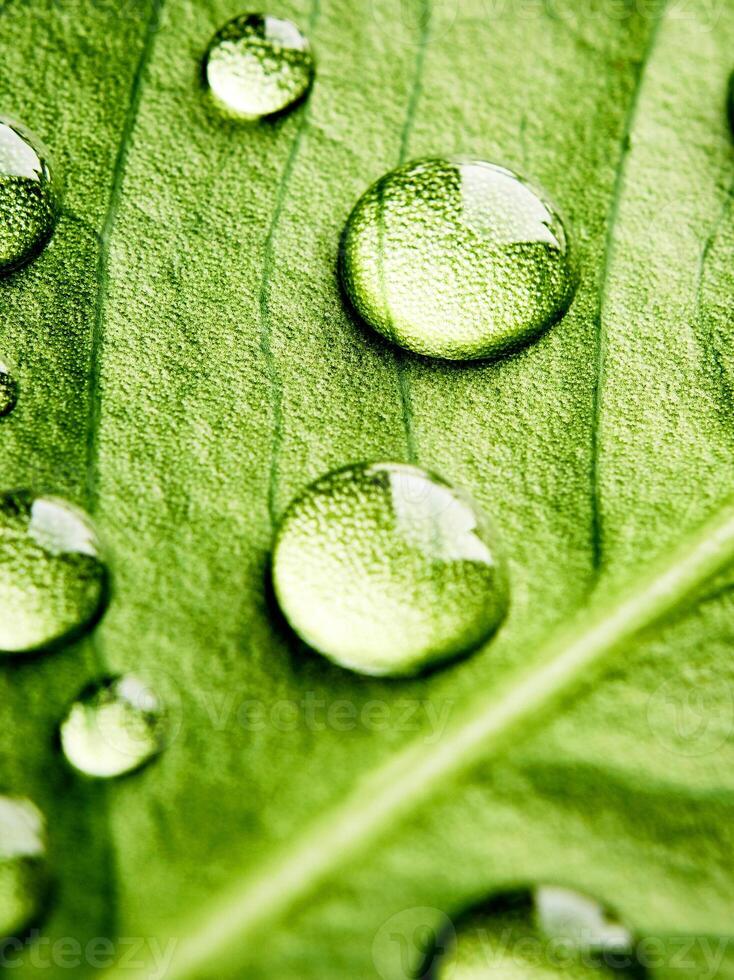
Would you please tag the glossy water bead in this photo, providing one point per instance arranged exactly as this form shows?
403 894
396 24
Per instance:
23 866
457 259
114 727
387 569
547 933
29 197
258 65
52 579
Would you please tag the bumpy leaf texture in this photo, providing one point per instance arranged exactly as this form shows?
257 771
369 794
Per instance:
187 366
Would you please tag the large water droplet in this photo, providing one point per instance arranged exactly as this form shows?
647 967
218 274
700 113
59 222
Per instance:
547 934
29 198
456 259
113 728
386 569
52 580
257 66
23 866
8 391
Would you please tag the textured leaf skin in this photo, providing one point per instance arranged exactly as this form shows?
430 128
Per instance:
187 366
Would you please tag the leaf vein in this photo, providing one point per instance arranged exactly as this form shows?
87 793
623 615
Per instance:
105 235
266 331
415 94
597 513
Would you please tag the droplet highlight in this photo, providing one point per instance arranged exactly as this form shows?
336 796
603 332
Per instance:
24 876
541 934
29 196
257 66
386 569
114 728
8 391
457 259
579 921
53 582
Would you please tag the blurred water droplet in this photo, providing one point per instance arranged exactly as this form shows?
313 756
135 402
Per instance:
545 934
53 582
24 876
578 920
114 727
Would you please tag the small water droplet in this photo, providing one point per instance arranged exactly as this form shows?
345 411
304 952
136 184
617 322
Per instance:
8 391
29 197
257 66
52 581
386 569
23 866
114 727
456 259
536 935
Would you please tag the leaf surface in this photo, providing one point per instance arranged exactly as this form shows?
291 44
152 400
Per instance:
187 366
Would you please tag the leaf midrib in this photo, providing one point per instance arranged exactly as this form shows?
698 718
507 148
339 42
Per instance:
104 237
486 724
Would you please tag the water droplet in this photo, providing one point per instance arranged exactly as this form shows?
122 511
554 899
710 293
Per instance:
23 866
257 66
8 391
387 570
29 197
113 728
579 921
456 259
540 935
52 580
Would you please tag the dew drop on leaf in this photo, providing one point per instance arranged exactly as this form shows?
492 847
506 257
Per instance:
53 583
547 934
387 570
23 866
114 727
8 391
257 66
29 198
456 259
579 921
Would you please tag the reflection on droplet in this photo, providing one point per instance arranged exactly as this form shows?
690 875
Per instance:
23 866
52 579
114 727
29 196
387 569
579 920
257 66
547 933
457 259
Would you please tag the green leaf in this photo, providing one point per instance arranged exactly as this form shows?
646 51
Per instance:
187 366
